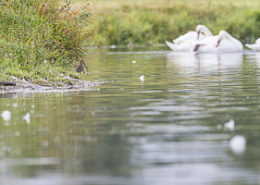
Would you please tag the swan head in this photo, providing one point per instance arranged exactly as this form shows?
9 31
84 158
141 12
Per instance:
201 28
222 34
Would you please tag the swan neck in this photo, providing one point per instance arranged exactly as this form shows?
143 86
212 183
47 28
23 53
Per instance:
207 32
227 36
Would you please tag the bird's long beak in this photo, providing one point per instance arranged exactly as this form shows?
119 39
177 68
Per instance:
85 66
218 43
198 35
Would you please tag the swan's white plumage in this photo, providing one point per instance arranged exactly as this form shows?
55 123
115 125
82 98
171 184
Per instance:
191 35
255 46
238 144
227 44
203 29
257 41
186 42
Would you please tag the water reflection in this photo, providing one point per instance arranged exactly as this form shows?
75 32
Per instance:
254 57
204 63
161 131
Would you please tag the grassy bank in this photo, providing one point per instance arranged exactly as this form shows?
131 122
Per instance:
154 21
40 39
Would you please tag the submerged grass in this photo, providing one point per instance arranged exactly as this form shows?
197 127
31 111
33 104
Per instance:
154 21
40 39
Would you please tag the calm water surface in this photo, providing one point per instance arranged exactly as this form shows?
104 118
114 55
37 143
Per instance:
161 131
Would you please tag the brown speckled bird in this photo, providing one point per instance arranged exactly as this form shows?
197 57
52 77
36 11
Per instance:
81 66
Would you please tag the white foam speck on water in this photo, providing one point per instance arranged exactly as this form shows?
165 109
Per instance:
33 106
17 133
6 148
6 123
57 139
238 144
133 61
219 126
27 118
45 143
15 105
6 115
230 125
142 78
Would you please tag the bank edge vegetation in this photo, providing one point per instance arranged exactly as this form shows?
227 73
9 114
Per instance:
40 39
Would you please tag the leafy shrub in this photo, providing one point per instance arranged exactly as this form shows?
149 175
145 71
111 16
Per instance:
36 31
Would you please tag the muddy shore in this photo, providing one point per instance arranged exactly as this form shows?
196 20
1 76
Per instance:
26 86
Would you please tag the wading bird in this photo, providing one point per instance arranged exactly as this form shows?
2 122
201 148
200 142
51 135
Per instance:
81 66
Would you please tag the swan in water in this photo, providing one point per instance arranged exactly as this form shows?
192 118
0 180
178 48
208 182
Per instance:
255 46
193 35
187 41
223 42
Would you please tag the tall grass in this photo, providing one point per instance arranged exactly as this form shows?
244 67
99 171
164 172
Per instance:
38 33
153 22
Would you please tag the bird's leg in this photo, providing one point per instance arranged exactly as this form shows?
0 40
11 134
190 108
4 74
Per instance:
85 66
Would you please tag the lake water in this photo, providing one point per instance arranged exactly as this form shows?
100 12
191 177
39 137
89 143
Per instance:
166 129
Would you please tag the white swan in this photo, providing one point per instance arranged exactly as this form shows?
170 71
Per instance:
187 41
193 35
223 42
255 46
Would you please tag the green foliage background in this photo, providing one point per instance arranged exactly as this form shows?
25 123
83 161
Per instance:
153 22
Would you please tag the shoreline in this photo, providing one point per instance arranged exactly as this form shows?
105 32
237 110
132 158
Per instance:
28 87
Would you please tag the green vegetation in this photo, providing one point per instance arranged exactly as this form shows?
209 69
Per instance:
40 39
154 21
